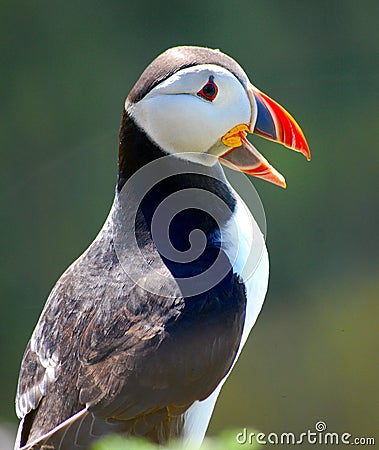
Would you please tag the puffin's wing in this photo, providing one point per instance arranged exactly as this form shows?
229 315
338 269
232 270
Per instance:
94 314
104 355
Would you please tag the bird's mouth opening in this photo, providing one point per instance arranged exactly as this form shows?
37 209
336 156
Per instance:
271 121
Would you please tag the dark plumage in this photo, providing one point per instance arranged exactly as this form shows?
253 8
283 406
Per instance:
133 340
118 346
136 360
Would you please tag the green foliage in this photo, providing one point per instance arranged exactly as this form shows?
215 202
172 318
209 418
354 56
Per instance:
225 441
120 443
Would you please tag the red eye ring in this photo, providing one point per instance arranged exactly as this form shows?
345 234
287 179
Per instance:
210 90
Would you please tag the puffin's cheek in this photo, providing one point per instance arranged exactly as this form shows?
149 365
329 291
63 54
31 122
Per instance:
179 123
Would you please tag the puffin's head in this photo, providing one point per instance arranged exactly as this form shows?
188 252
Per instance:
192 101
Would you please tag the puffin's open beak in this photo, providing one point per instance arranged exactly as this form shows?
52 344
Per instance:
270 121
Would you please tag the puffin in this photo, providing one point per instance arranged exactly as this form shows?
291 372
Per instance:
139 334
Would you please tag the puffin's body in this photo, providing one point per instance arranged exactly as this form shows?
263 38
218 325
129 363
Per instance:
140 350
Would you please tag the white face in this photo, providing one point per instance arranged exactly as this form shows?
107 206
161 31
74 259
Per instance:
180 121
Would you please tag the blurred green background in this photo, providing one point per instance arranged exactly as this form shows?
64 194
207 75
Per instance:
65 70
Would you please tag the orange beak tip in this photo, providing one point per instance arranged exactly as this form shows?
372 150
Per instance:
307 153
282 183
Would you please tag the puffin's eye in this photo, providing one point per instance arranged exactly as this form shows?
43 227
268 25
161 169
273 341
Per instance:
209 91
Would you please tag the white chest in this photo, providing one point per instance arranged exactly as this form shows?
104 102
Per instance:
244 245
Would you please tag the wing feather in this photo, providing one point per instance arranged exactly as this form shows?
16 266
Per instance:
94 314
105 345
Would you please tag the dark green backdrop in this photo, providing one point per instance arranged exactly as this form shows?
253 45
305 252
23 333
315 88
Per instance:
65 70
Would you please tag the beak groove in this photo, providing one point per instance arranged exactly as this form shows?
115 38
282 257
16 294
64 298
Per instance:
275 123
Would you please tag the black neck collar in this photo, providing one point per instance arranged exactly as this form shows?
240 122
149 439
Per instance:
136 150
